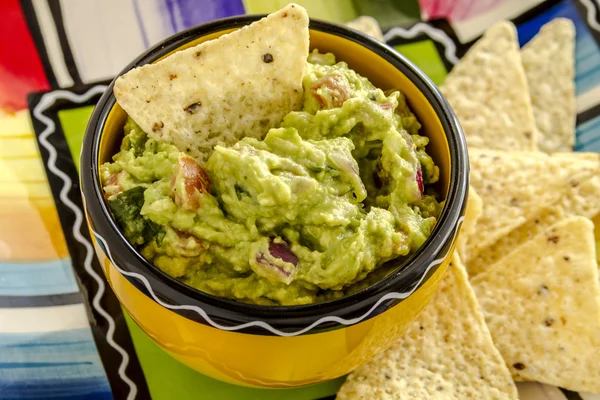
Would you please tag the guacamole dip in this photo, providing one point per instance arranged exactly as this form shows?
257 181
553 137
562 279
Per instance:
297 217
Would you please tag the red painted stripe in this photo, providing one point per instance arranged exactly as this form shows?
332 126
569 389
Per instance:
21 70
451 8
433 10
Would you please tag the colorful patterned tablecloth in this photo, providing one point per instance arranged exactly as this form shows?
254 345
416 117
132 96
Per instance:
63 334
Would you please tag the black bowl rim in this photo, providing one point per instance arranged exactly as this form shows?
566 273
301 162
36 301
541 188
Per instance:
224 313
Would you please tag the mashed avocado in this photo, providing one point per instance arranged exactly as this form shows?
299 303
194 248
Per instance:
295 218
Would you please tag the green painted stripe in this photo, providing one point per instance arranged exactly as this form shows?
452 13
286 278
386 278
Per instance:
169 379
425 55
339 11
73 122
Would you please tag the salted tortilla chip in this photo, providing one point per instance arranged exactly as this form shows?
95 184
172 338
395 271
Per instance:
474 209
514 187
542 306
549 62
488 92
447 353
539 223
241 84
368 25
583 199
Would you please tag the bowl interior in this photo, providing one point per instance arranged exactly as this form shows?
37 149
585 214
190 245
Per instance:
360 58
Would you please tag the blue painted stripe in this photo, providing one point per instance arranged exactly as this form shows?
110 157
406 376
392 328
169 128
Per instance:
588 130
54 389
84 342
593 147
12 365
585 54
37 278
587 68
588 136
194 12
51 356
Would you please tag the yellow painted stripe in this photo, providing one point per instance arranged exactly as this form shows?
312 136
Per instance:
32 204
25 181
15 124
17 136
30 230
24 170
18 148
23 157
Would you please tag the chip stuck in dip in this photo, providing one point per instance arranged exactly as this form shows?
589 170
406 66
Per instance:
253 170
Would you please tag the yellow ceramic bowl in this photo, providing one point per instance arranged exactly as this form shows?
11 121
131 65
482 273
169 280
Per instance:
282 346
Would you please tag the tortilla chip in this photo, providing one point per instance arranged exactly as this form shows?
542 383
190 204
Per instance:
542 306
542 220
581 200
241 84
514 187
549 62
578 156
474 209
447 353
367 25
489 94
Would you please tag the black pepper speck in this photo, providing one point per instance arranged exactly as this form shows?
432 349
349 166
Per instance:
267 58
554 239
519 366
192 108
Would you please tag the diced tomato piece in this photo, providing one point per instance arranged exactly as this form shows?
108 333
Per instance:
189 181
337 91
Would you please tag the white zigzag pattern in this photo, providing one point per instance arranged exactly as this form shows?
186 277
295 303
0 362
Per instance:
47 101
434 33
262 324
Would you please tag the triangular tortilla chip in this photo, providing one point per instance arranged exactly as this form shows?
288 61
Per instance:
581 200
447 353
549 62
241 84
542 306
516 186
488 92
472 214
